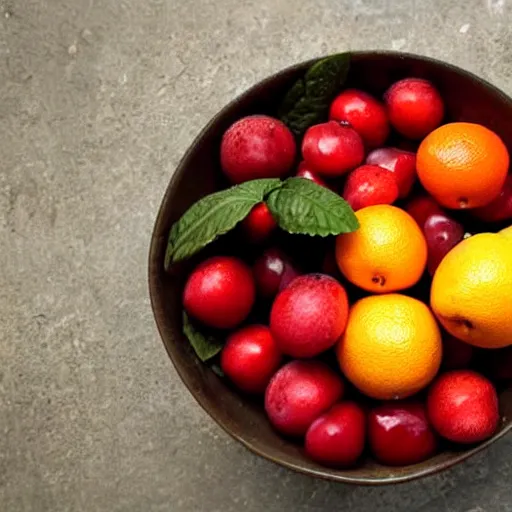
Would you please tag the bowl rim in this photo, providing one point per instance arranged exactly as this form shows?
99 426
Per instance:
154 261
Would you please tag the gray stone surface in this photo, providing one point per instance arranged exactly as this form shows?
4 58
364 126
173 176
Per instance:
98 101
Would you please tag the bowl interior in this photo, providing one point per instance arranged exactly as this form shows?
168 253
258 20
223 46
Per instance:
467 98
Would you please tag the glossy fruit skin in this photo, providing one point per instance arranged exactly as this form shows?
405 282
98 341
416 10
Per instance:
250 358
257 147
331 149
391 348
500 208
364 113
414 107
463 165
421 208
304 171
471 291
273 271
299 393
309 316
399 433
442 234
456 353
337 437
369 185
259 224
220 292
387 253
463 406
401 163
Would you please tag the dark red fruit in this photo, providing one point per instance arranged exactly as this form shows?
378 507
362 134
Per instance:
442 234
369 185
463 406
364 113
337 437
401 163
399 434
499 363
456 353
330 266
250 358
299 393
257 147
220 292
331 149
421 208
415 107
309 316
499 209
273 271
305 172
259 224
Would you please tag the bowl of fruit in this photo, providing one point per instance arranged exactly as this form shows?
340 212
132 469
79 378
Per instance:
331 267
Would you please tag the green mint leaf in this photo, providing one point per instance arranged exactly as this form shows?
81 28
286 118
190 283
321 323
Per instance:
307 102
205 346
214 215
303 207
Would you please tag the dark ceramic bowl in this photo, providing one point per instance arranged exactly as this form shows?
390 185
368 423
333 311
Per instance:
467 97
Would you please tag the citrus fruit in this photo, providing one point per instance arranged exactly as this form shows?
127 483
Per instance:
463 165
387 253
391 347
507 232
472 291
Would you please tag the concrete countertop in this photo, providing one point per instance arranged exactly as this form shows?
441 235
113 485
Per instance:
99 99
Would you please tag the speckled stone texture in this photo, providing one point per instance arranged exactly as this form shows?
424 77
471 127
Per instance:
99 99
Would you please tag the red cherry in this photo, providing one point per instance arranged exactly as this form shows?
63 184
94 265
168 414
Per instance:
369 185
250 358
415 107
401 163
399 434
499 209
220 292
299 393
273 271
309 316
421 208
305 172
456 353
257 147
442 234
364 113
331 149
463 406
337 437
259 224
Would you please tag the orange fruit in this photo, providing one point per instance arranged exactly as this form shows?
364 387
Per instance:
387 253
463 165
391 347
471 291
